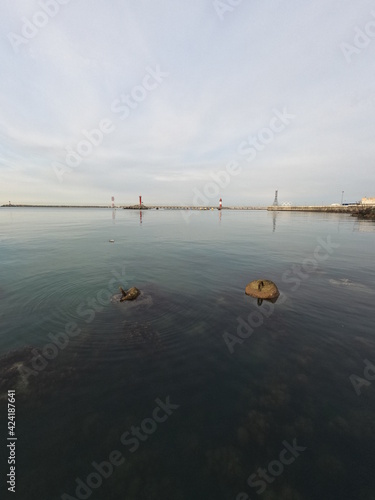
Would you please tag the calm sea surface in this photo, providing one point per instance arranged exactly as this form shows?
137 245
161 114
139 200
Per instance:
237 385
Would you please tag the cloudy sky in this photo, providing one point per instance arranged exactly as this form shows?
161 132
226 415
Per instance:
184 101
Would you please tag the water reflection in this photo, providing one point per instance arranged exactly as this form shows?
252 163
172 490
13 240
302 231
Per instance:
365 226
274 217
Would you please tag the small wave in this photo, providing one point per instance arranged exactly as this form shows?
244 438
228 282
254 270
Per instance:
357 287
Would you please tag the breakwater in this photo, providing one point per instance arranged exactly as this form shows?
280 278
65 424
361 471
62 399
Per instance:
185 207
346 209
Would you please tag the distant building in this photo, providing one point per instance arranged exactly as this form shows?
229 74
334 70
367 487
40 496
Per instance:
368 201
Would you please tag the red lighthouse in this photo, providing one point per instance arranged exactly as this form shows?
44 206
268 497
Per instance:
220 204
140 202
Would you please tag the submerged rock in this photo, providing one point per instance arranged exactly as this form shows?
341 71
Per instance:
142 336
262 289
12 371
130 294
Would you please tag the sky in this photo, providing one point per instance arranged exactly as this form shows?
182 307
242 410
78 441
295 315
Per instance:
187 101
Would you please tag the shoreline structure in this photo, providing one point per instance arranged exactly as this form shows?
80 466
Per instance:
308 208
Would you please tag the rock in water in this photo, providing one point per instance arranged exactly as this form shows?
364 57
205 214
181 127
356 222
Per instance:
262 289
130 294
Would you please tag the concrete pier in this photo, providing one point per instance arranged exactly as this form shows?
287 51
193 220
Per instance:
182 207
346 209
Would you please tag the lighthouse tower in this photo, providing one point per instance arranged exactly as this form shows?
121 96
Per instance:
220 204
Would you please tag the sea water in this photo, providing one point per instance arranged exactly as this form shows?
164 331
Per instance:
193 391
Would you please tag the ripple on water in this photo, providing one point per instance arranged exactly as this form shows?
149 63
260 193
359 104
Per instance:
157 324
53 293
